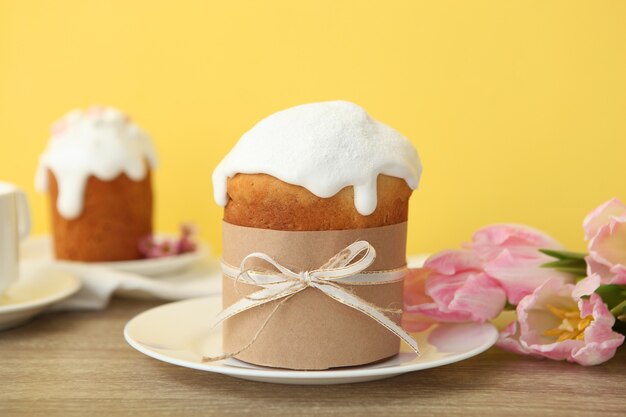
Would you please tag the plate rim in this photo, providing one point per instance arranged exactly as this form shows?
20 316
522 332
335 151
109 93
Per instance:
73 286
288 374
203 249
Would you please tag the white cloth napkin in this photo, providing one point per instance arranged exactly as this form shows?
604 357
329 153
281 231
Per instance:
100 283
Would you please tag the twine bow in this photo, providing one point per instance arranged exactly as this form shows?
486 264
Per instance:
345 267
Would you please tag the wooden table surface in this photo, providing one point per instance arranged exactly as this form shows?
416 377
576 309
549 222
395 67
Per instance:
79 364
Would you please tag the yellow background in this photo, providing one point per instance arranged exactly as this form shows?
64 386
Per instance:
518 108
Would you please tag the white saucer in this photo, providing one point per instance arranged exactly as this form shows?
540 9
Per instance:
178 333
37 289
40 248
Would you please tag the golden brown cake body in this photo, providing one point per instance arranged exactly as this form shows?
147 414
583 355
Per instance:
116 214
262 201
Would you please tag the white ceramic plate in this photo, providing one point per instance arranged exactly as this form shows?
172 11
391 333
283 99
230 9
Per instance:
36 290
178 333
40 247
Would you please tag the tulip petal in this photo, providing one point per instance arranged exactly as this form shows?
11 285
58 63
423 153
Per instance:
440 313
481 296
600 340
442 288
597 353
608 246
598 268
467 296
601 215
619 275
520 277
509 340
586 286
516 238
452 261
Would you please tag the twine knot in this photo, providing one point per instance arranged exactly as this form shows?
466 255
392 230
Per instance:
305 276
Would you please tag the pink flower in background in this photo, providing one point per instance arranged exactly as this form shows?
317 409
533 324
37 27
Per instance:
186 242
151 248
58 127
96 110
553 323
605 231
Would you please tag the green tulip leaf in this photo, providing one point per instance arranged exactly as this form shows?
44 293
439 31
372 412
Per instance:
563 254
613 296
577 267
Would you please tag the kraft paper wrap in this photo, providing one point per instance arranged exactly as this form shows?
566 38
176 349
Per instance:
311 330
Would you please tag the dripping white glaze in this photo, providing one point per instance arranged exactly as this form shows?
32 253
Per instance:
322 147
101 142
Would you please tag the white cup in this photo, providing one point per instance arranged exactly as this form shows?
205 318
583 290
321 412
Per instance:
14 225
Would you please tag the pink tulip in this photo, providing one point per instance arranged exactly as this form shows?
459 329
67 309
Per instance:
605 230
510 255
520 240
554 324
501 263
451 288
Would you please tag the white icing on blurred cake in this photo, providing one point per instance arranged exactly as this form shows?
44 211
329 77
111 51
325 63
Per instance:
102 142
322 147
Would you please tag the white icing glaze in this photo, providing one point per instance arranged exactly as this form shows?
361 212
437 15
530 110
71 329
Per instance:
102 142
323 147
